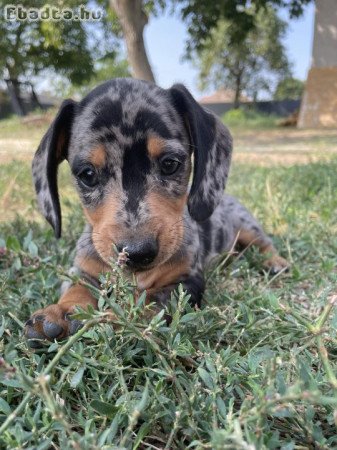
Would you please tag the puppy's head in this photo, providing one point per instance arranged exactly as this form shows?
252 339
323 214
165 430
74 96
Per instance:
130 146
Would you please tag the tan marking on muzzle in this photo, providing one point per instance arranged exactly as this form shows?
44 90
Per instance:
166 222
106 229
163 275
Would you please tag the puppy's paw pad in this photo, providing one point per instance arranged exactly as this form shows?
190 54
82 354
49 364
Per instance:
74 326
31 333
52 330
34 337
48 324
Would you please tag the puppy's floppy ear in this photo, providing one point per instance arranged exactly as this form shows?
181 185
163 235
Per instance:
52 150
211 144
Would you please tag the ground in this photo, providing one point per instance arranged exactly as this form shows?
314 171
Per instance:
254 368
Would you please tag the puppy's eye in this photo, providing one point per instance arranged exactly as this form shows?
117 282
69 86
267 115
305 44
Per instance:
88 177
169 166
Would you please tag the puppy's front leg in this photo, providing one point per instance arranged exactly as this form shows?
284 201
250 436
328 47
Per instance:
53 322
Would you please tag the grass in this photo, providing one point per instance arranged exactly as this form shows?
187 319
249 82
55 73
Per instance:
17 192
249 118
253 369
15 126
19 137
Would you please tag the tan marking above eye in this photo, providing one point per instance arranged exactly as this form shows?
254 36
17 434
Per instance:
155 146
98 156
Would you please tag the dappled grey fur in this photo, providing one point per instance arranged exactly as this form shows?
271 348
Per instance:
120 115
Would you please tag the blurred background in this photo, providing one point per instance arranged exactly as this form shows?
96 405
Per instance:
239 52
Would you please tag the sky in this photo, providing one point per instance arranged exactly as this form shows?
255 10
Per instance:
165 37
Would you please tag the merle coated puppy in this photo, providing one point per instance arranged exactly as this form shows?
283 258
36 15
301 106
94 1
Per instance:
130 145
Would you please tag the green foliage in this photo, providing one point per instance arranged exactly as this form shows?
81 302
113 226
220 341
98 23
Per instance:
244 65
289 88
243 118
105 69
202 17
254 368
68 48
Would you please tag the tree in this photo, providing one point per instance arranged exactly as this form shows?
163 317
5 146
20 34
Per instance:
133 19
244 65
105 69
289 88
68 48
200 16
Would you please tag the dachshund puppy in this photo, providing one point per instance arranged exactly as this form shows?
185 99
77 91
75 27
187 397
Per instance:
132 148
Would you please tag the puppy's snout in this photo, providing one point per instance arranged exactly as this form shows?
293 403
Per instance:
139 253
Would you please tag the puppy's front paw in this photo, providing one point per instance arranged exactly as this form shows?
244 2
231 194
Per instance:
276 264
52 322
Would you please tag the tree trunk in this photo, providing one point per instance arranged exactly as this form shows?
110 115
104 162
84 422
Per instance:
35 98
237 92
133 20
13 87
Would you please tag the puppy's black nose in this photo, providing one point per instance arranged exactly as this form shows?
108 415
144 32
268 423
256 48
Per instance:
140 253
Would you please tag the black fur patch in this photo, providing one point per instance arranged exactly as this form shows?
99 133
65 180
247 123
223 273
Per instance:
38 185
219 240
136 166
110 137
146 121
108 113
195 286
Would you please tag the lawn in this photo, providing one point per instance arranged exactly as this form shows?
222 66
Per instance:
255 368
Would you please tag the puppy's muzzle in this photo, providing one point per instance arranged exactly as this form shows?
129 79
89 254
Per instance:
140 253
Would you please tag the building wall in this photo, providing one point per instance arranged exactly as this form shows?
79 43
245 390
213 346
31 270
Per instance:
319 102
324 53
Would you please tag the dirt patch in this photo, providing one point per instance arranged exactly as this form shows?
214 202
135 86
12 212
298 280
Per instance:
17 149
268 159
284 146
